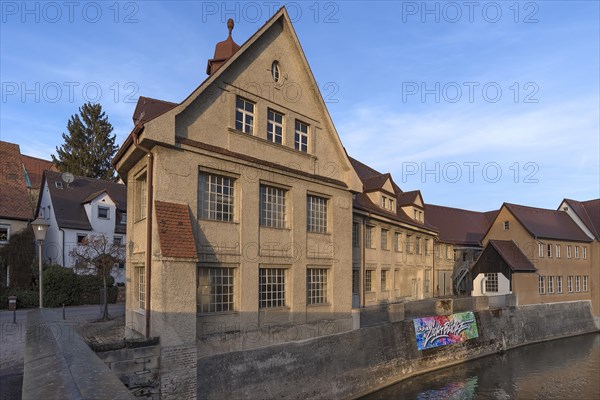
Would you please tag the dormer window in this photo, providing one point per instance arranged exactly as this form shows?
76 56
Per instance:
103 212
58 184
391 205
383 201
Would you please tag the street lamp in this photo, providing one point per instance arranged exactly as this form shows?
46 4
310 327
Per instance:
40 227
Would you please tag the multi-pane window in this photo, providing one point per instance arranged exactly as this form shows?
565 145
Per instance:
408 244
506 225
244 115
316 214
384 279
141 196
540 250
491 282
427 280
274 126
576 251
570 284
355 234
585 283
272 207
426 246
418 245
398 241
140 274
316 286
4 234
568 251
384 239
578 283
301 137
559 284
383 201
271 287
355 280
369 237
584 252
549 250
396 279
215 290
542 284
216 197
368 280
550 284
557 251
103 212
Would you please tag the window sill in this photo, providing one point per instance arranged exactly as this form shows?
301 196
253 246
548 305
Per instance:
275 228
216 314
270 143
269 309
318 305
217 221
139 311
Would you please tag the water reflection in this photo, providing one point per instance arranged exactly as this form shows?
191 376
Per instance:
561 369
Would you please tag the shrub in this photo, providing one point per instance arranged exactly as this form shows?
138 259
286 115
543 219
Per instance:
25 298
60 286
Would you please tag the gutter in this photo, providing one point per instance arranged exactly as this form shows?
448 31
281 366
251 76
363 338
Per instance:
149 192
63 246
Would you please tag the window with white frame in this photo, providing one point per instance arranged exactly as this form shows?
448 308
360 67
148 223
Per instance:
568 251
570 283
244 115
398 241
141 199
215 289
550 284
355 234
549 250
4 234
369 237
576 251
578 283
385 279
316 286
557 250
542 284
103 212
140 275
384 239
316 214
272 207
491 282
301 137
271 287
585 283
274 126
584 252
559 284
215 197
369 280
506 225
540 250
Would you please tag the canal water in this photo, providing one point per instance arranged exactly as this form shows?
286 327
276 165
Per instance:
560 369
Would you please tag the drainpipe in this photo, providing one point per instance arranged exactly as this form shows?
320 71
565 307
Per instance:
433 269
149 192
63 246
363 265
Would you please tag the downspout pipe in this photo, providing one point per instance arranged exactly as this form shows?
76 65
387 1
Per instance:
63 246
149 212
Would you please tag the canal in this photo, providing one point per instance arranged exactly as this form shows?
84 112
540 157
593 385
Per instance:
560 369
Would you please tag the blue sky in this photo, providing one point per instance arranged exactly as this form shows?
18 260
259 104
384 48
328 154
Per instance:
473 103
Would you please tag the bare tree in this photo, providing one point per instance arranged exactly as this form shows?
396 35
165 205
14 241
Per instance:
99 256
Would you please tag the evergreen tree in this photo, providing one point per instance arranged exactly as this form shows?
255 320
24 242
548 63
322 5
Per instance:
89 147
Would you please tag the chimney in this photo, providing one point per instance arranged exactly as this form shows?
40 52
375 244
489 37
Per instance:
223 51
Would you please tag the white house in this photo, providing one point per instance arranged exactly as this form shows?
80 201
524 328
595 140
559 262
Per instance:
78 209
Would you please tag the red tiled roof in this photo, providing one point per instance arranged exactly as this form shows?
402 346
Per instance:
408 198
148 108
14 198
35 168
175 230
512 255
547 224
458 226
589 213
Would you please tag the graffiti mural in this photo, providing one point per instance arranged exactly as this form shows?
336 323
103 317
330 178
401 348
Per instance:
442 330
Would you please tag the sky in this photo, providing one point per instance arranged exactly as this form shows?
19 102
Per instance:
473 103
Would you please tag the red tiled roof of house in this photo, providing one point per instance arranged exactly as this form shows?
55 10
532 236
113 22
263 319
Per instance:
458 226
512 255
35 168
175 230
14 198
548 224
589 213
148 108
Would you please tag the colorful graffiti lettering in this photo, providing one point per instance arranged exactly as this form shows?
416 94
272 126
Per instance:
445 329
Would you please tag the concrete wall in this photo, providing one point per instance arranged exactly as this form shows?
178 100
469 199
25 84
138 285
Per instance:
354 363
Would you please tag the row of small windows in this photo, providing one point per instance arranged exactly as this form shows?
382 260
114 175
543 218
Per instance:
216 202
546 250
412 246
244 122
216 288
384 280
554 284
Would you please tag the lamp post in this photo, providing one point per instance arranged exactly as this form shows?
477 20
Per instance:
40 227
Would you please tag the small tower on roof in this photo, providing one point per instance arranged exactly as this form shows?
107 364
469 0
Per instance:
223 51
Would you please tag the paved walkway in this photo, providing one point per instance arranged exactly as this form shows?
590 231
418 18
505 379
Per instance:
12 338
